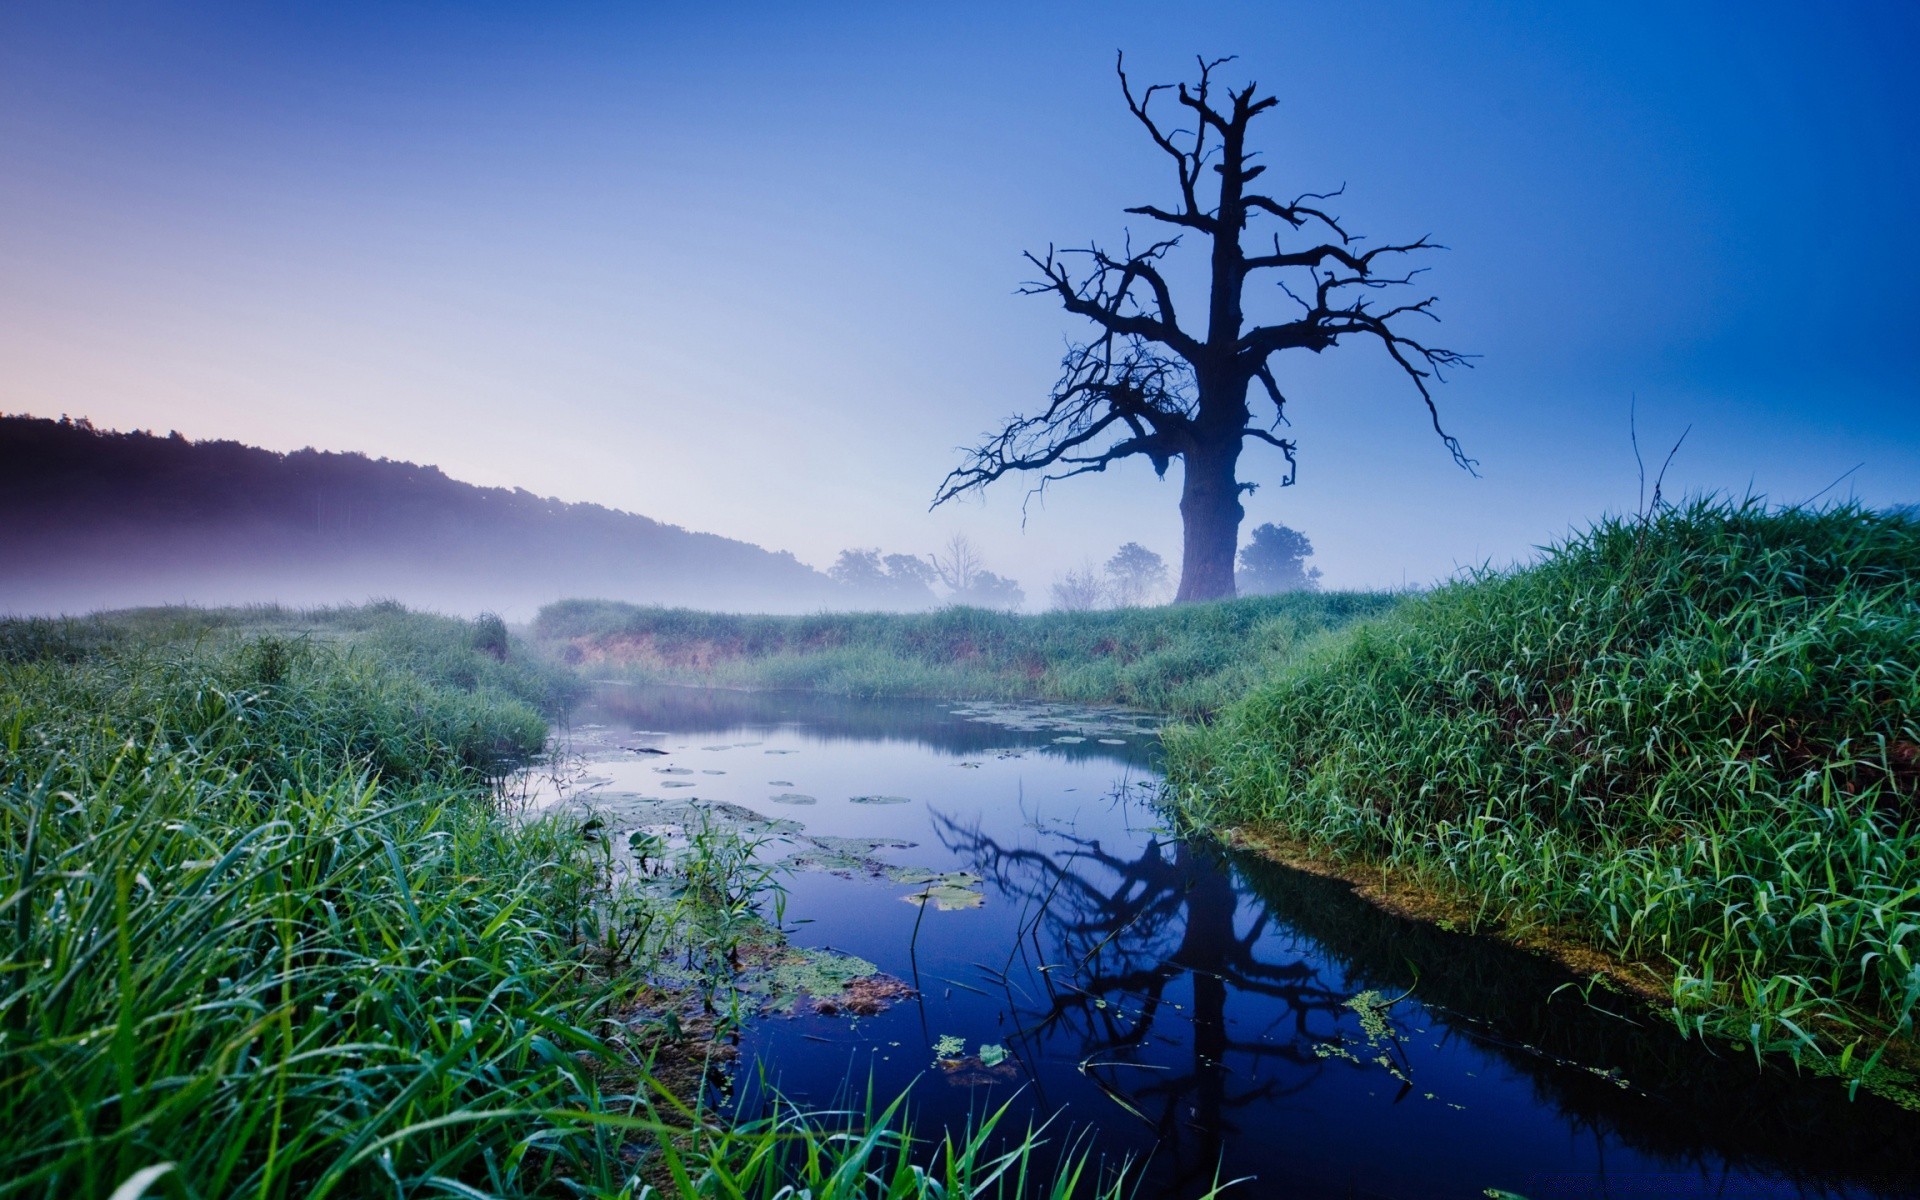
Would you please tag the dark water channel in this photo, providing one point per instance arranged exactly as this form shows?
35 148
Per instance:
1192 1007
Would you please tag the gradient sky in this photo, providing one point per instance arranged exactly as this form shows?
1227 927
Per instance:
752 269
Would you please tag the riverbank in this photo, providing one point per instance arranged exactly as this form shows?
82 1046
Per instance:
1184 660
1689 743
1682 752
272 926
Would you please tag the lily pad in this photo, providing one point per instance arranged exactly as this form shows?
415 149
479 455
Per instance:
946 897
673 770
1068 741
677 783
793 798
920 875
713 772
779 783
780 752
880 799
1113 741
847 857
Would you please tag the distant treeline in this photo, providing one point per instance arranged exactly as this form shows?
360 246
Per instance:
91 518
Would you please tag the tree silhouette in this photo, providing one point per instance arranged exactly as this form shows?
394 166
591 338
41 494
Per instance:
1136 575
963 569
1275 561
1146 385
896 580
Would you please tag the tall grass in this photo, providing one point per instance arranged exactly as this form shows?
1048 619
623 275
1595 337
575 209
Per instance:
1185 659
1693 741
274 934
266 931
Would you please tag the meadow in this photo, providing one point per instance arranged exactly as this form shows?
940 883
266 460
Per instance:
274 924
1186 660
272 927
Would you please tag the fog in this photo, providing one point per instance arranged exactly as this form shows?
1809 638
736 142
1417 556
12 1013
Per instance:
93 519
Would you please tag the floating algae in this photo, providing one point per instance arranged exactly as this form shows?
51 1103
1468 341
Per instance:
847 857
832 982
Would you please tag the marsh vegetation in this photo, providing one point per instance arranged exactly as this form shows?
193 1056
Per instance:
273 927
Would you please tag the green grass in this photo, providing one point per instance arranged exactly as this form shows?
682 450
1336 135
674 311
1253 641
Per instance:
267 931
1693 742
1185 659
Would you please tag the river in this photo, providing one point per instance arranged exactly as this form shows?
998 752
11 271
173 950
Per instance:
1203 1013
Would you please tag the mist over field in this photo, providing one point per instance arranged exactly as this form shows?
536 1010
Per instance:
93 519
1001 601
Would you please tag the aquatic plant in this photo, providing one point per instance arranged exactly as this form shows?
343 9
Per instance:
266 929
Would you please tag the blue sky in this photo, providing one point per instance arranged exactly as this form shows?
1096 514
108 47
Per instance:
753 269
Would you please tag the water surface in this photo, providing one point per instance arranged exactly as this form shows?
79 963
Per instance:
1205 1012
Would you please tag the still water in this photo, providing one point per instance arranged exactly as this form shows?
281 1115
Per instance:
1205 1013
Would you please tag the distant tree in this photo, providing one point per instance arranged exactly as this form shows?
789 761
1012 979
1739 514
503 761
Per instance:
1079 590
1144 384
988 590
1136 575
1275 561
957 563
898 580
906 571
962 569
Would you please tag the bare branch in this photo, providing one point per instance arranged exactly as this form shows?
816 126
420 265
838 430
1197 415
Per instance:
1305 258
1286 446
1114 401
1187 163
1105 296
1191 220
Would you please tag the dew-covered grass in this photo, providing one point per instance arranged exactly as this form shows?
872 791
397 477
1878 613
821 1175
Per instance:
269 927
1692 741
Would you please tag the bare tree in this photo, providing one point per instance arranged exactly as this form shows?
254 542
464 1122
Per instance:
959 564
1079 590
963 569
1146 385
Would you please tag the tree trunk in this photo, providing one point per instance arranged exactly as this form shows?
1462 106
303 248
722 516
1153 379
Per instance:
1210 515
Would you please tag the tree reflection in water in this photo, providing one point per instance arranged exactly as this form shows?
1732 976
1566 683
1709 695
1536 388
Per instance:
1107 941
1105 938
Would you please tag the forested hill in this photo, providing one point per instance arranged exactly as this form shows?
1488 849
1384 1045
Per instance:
92 519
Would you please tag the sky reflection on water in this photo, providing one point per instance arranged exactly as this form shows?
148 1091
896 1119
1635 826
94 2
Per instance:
1201 1009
